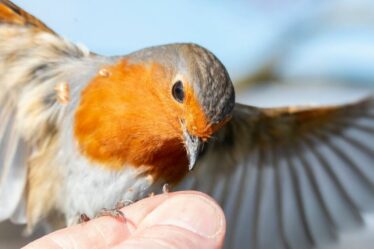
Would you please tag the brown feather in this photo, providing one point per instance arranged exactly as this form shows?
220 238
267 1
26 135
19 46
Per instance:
43 183
12 14
284 124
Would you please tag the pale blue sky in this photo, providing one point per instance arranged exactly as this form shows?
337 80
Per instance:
309 38
239 32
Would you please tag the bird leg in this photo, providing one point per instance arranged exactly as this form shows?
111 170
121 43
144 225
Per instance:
115 212
165 188
83 218
123 203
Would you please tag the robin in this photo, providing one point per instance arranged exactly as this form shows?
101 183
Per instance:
82 134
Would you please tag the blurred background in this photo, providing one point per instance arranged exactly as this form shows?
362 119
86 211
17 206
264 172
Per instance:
278 52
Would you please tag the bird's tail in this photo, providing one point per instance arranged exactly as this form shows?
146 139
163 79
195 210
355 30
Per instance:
14 15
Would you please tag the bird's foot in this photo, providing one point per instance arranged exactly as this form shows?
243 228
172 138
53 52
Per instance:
83 218
115 213
122 204
165 188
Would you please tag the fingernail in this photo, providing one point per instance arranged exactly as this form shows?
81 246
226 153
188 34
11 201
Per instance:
192 212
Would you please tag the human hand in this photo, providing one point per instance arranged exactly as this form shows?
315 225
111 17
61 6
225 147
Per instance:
185 219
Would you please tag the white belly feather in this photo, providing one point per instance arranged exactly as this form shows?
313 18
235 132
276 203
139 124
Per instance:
90 188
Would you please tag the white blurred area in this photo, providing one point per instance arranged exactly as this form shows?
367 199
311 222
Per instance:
278 52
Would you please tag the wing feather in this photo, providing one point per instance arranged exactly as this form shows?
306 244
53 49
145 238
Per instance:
267 213
280 195
243 224
33 60
291 177
13 170
319 214
12 14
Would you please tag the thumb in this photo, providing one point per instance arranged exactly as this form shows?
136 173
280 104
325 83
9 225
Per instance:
184 220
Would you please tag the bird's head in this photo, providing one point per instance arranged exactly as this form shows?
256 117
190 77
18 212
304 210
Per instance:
155 108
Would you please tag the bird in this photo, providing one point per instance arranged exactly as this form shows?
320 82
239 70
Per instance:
81 133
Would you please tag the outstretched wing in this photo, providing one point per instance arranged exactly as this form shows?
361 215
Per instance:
13 156
291 178
33 62
13 149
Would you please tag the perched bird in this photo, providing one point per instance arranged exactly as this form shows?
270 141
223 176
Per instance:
81 132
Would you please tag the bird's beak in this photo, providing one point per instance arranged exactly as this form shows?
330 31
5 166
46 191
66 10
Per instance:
193 145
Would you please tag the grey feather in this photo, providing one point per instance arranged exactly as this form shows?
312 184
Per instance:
13 170
293 178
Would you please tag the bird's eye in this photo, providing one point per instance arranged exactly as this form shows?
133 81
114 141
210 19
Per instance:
178 91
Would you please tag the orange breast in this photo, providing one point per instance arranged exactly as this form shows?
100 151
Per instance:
124 118
127 116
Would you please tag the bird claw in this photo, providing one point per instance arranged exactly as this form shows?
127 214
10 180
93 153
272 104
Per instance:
83 218
115 213
165 188
122 204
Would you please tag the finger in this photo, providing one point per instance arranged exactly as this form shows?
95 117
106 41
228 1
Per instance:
142 218
183 220
102 232
99 233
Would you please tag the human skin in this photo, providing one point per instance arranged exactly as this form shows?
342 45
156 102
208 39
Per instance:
185 219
